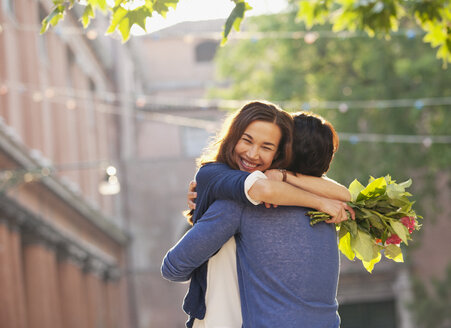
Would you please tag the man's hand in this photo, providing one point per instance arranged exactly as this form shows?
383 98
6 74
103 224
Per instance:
338 210
192 195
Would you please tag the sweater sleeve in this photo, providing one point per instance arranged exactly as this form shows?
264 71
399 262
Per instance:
222 182
205 238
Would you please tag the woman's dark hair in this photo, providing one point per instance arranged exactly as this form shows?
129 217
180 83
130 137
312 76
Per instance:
222 148
314 144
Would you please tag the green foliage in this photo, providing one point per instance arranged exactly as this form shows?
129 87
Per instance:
124 14
235 18
376 17
383 218
380 17
346 70
431 302
54 17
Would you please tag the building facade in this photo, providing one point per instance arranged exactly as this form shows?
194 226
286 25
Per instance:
63 245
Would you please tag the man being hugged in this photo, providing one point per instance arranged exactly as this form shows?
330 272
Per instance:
287 270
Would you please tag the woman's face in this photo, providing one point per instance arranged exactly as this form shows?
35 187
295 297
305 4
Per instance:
257 147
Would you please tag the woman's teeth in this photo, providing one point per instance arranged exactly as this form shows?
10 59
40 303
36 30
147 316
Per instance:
247 164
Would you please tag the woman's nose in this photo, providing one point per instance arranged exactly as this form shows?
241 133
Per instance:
252 153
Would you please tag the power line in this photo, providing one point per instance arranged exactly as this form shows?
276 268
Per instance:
142 100
212 126
309 37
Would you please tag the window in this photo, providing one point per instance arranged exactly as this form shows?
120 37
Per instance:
10 7
70 57
205 51
368 315
194 141
42 39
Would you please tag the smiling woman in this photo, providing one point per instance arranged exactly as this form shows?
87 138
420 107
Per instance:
258 146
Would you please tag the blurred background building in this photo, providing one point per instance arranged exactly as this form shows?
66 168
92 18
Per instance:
72 104
63 245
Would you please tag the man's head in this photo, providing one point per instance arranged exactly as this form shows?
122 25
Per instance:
314 144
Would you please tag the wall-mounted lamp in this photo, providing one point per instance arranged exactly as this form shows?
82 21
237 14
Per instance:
110 184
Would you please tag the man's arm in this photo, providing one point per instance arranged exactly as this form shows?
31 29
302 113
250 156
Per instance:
204 239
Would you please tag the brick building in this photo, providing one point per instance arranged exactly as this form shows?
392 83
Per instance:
63 245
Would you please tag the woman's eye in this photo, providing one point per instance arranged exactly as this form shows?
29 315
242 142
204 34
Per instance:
247 140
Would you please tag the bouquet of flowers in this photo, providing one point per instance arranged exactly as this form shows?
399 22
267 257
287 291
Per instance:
384 219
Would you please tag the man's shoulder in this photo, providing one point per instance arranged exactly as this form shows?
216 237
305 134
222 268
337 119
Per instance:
229 204
279 210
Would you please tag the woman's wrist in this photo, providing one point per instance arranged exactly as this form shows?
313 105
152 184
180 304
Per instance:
284 174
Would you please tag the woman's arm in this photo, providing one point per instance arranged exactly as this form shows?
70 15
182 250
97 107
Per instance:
281 193
221 182
321 186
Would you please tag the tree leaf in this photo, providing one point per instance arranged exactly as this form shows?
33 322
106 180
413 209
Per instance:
53 18
101 4
123 20
87 15
162 6
235 18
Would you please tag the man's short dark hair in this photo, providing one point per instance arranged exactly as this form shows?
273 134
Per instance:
314 144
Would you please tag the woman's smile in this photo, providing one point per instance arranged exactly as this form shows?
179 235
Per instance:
257 146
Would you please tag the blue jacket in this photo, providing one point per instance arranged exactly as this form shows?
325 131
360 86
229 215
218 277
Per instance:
287 270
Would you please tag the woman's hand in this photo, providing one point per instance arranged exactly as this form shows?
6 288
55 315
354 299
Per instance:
337 209
192 195
274 175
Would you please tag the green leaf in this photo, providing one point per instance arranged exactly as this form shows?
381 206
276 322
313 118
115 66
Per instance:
123 20
394 253
373 189
351 226
401 230
397 190
355 188
87 15
344 245
162 6
235 18
102 4
362 245
376 222
53 18
369 265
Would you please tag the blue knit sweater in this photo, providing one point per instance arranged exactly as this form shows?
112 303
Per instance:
287 270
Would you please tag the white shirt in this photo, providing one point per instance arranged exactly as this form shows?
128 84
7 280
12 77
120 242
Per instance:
222 297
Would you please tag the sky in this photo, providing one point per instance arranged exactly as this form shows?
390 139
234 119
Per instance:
194 10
